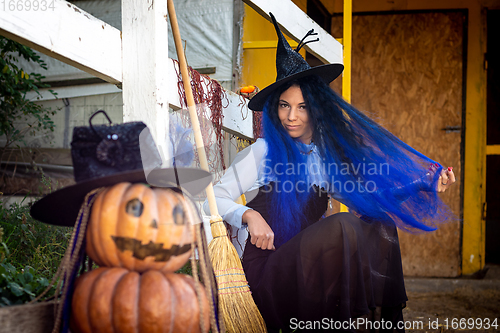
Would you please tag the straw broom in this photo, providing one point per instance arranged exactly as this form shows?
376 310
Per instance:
237 306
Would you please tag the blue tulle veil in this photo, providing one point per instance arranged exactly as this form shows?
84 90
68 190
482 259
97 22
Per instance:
377 175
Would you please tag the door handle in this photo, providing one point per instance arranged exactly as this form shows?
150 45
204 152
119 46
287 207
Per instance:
452 129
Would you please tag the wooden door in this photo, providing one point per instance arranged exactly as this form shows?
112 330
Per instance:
407 70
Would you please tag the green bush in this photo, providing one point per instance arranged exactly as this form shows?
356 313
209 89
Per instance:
30 242
19 287
30 254
21 116
30 251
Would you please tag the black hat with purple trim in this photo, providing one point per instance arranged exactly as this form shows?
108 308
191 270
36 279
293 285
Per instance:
105 155
290 65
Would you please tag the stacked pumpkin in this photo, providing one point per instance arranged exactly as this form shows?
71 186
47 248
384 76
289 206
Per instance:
139 236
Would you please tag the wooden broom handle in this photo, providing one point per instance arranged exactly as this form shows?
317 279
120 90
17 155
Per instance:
191 104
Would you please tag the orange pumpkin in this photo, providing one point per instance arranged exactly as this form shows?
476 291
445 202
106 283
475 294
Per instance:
140 228
117 300
247 89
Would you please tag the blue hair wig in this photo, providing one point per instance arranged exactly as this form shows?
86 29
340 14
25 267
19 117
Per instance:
376 174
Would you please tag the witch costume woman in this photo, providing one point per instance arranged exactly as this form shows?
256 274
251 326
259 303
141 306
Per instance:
308 272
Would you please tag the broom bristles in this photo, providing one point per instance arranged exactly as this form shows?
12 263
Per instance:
237 306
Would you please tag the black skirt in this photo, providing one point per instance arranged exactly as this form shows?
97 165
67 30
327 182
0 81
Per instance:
340 273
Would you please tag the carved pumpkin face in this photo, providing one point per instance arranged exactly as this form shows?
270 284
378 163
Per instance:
140 228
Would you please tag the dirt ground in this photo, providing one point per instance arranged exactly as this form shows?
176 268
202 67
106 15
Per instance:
453 305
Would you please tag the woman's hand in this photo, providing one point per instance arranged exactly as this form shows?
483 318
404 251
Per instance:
262 236
446 178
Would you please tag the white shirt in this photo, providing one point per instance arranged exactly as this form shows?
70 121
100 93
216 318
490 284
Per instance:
246 175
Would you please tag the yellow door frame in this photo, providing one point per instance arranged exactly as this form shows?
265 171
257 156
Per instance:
346 75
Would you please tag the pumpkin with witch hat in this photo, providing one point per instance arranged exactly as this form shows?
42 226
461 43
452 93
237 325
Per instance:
139 234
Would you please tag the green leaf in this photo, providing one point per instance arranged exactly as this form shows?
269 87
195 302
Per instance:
6 249
15 289
43 282
28 277
20 278
11 269
28 289
5 301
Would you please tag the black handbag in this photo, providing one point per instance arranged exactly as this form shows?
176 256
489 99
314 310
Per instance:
104 150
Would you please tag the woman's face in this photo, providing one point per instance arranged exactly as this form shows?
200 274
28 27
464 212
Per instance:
294 116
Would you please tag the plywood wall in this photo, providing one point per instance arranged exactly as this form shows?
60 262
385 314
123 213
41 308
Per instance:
407 70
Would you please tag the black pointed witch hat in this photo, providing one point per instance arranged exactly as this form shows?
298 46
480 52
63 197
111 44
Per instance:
290 65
